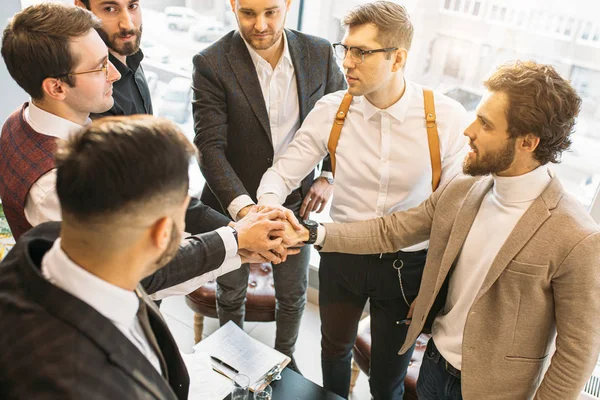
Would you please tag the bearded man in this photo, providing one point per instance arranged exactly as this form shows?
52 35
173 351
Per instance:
121 30
513 261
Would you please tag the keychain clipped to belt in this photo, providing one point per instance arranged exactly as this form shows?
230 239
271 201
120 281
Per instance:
398 264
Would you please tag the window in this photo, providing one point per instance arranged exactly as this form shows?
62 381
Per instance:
590 33
468 8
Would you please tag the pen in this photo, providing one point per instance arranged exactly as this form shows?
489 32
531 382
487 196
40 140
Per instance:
224 364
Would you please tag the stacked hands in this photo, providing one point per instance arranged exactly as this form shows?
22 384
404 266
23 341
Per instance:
269 234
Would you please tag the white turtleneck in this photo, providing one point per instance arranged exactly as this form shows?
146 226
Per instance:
501 209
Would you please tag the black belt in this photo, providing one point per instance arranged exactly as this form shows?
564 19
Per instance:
451 370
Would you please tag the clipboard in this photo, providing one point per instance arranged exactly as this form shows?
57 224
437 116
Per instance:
261 363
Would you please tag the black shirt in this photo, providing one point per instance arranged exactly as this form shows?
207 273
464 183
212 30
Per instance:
131 92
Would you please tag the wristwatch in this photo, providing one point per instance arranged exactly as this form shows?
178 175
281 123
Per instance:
329 180
235 235
313 228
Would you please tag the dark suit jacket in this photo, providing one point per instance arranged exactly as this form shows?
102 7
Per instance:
230 117
54 346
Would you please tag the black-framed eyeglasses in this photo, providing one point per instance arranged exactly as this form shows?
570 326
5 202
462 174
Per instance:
357 55
104 69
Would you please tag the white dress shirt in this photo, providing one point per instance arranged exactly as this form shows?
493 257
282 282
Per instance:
501 209
41 204
383 162
280 93
118 305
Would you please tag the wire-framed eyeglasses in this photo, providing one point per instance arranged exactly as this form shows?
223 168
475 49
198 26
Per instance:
357 55
104 69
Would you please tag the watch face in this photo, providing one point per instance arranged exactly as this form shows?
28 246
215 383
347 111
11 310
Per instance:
309 223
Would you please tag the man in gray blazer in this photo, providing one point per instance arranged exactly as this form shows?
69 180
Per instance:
514 260
252 90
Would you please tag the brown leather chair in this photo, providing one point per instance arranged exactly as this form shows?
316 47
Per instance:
260 299
361 354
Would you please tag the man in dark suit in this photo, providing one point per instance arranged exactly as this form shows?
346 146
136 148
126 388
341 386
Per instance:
81 325
252 90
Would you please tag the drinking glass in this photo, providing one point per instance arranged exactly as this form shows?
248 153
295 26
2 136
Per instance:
241 383
264 394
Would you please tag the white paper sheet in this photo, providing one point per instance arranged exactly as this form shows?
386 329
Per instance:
205 383
236 348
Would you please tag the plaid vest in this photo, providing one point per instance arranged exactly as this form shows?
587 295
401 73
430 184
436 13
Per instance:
26 156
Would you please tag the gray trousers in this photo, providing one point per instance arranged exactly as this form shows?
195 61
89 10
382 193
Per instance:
291 281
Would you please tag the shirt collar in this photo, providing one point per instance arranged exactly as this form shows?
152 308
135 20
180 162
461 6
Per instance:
49 124
133 62
116 304
397 110
258 60
522 188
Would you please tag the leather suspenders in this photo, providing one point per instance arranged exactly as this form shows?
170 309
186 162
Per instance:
430 124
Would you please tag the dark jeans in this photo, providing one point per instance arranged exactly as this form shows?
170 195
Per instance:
291 281
345 283
436 381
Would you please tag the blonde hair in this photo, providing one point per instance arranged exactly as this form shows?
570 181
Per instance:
391 19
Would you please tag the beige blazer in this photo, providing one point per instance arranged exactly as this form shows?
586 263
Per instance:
544 282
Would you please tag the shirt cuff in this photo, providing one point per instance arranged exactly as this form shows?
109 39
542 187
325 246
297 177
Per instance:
321 233
231 246
326 174
269 199
230 264
237 204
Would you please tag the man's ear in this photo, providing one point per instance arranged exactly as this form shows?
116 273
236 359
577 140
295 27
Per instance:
529 142
400 59
79 3
232 2
54 88
288 5
160 233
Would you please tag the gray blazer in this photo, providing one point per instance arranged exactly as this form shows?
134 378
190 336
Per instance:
230 117
543 284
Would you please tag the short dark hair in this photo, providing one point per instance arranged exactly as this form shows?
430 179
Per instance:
36 44
117 165
394 28
540 102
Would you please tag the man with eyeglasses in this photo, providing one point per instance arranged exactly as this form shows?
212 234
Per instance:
40 45
121 30
59 59
382 164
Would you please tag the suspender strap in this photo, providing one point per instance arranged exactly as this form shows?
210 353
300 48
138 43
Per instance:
433 139
430 124
336 129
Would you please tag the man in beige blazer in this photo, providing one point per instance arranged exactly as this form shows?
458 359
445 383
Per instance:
514 260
